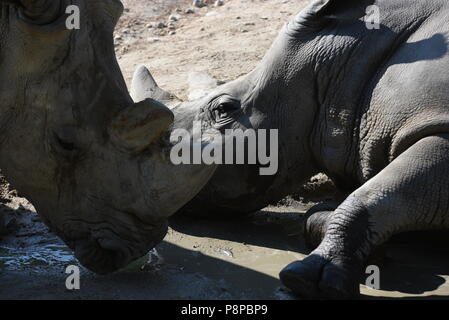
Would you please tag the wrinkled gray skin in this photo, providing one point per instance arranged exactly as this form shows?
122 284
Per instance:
93 163
367 107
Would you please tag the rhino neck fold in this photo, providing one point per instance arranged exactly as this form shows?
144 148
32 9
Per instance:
286 94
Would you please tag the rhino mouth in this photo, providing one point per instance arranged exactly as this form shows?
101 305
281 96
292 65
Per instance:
104 251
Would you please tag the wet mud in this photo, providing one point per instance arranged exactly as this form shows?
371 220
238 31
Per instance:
201 259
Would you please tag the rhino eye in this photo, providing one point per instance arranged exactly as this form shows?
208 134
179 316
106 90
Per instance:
64 142
66 145
225 109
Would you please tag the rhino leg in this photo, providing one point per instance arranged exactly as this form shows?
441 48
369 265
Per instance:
316 223
411 193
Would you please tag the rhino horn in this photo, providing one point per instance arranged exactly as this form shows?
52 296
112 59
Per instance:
144 86
139 125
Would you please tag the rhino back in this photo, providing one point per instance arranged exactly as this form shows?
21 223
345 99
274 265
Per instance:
362 85
410 99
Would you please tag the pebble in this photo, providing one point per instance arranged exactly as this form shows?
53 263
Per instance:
189 11
171 26
219 3
198 3
161 25
174 17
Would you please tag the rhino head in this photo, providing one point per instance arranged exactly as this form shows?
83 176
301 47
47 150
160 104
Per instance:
93 163
280 93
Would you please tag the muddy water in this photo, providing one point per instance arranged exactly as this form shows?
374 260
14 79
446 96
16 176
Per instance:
200 259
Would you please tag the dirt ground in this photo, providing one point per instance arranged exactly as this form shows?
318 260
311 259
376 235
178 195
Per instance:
201 259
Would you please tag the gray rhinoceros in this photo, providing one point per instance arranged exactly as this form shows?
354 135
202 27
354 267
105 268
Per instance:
368 106
93 163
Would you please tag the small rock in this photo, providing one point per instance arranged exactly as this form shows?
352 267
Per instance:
171 26
189 11
118 38
171 33
198 3
161 25
149 25
178 10
219 3
174 17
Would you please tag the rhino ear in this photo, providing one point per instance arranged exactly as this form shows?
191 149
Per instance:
319 10
144 86
139 125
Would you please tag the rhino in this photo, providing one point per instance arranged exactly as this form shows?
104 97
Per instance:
92 161
367 105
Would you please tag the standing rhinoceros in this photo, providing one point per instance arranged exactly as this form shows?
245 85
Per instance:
93 163
368 106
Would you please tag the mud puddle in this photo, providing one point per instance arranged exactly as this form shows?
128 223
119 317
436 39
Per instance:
199 259
35 257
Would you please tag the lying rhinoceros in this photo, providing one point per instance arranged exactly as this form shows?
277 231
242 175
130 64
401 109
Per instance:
93 163
368 106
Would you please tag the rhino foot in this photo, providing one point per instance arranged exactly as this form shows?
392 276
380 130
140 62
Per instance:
316 222
318 277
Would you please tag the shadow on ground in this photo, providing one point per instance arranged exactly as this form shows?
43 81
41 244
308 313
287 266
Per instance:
415 265
199 259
